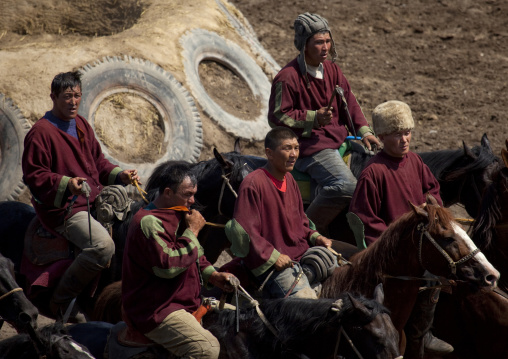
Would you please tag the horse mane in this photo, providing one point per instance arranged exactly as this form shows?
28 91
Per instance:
369 265
490 211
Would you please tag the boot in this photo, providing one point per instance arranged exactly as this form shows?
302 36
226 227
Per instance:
417 329
80 273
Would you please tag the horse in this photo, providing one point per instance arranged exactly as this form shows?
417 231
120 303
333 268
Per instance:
349 325
475 323
425 238
15 308
50 342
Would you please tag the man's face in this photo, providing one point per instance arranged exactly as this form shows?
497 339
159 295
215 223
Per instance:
283 158
66 104
317 48
184 195
396 144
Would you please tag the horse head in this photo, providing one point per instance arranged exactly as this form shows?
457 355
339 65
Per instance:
369 328
15 308
445 249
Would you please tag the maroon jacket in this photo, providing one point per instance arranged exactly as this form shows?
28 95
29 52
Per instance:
294 105
52 157
163 268
385 187
268 222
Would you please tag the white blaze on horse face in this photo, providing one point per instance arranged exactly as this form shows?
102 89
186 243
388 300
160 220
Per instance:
480 257
80 349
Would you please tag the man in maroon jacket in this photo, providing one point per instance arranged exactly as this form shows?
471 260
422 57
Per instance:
269 229
299 99
164 268
61 152
393 177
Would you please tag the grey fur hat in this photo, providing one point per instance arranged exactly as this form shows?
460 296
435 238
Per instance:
306 25
392 116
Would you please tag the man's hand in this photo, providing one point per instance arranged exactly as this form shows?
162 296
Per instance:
324 116
283 262
75 184
225 281
323 242
195 221
368 140
128 176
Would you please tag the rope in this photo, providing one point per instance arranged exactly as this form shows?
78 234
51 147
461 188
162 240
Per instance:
141 191
11 292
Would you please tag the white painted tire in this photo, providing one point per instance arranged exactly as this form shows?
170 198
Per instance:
199 45
183 131
13 128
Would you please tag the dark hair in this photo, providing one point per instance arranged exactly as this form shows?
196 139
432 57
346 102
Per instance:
276 135
172 176
65 80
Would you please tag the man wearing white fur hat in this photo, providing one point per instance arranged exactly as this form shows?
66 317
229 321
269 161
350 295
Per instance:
393 177
300 99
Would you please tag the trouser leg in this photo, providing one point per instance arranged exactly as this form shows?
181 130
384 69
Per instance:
93 258
336 185
181 334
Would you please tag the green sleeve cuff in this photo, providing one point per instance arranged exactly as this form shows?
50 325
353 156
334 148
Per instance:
113 174
268 264
309 123
62 187
364 129
313 237
206 274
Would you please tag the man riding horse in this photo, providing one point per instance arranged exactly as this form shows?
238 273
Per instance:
63 160
302 99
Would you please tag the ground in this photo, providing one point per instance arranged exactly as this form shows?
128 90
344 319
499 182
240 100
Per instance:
446 58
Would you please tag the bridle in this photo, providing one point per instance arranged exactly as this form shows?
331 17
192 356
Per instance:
422 228
226 181
11 292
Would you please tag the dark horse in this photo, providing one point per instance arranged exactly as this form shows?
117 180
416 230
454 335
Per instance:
425 238
348 324
15 308
476 323
50 342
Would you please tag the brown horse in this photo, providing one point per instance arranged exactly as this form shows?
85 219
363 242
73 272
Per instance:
425 238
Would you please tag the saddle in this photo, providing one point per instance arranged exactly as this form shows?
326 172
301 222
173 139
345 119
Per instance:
42 247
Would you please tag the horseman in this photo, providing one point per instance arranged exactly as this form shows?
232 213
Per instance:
301 99
164 268
394 177
270 230
62 160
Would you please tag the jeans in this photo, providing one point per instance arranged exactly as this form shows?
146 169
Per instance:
280 283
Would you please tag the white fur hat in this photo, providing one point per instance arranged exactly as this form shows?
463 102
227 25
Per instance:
392 116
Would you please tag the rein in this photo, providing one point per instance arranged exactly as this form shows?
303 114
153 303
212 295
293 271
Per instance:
453 265
225 181
11 292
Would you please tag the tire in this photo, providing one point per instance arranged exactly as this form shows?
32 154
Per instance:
247 33
199 45
13 128
183 131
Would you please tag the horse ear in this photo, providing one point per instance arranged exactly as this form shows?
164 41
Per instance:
238 148
358 305
467 151
486 143
379 293
430 199
504 154
220 158
419 211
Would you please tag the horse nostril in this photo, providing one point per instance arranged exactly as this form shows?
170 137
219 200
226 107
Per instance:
25 318
491 279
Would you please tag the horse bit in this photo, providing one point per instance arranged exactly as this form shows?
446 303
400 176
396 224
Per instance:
422 228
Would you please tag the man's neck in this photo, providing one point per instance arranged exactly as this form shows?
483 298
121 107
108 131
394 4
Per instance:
276 174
